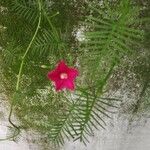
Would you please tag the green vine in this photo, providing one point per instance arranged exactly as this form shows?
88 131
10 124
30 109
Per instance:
19 76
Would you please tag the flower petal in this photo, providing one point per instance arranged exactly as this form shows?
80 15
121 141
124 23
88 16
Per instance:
62 67
59 85
53 75
72 73
69 84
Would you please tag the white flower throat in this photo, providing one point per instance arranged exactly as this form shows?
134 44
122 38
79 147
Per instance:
63 76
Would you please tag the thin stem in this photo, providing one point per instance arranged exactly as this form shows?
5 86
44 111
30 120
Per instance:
11 137
50 23
10 121
57 13
18 129
27 50
19 76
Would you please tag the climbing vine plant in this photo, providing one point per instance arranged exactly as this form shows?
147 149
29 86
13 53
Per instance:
35 35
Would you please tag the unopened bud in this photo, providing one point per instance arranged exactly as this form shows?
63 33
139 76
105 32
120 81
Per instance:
44 66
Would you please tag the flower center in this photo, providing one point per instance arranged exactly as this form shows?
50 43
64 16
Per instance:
63 76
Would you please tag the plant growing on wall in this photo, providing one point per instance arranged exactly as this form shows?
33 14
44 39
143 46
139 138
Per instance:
54 82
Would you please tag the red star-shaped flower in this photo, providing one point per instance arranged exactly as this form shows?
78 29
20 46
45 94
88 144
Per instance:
63 76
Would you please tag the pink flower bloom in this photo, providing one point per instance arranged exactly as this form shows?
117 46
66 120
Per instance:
63 76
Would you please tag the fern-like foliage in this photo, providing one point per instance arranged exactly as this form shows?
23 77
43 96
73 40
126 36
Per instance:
47 44
25 9
93 109
110 34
